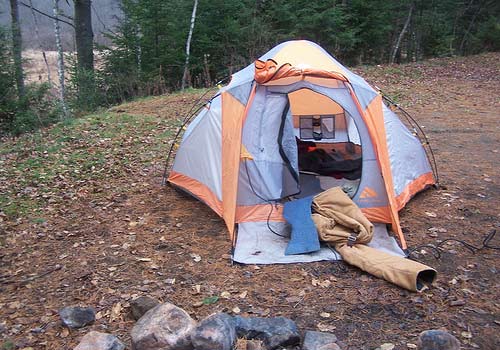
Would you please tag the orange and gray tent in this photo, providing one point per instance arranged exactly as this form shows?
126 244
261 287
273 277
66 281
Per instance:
242 151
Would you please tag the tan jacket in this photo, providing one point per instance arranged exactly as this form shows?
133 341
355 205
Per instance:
341 223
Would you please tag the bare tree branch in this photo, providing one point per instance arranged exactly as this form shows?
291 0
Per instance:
47 15
100 20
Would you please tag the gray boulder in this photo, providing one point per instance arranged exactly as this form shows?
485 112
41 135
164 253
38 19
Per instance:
437 340
76 316
216 332
275 331
164 327
141 305
319 341
99 341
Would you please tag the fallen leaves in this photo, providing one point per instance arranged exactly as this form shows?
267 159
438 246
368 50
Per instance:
144 259
15 305
64 333
293 300
225 295
325 327
195 257
466 335
115 313
97 208
321 283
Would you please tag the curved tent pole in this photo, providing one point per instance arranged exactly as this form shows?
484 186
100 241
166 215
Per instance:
195 109
414 124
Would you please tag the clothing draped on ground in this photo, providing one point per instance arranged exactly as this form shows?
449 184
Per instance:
341 223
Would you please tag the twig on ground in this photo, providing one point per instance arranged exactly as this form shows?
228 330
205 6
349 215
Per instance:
32 278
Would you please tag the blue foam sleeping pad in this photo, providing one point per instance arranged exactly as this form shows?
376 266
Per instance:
304 234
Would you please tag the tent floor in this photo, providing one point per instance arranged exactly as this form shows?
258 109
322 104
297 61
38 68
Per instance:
256 244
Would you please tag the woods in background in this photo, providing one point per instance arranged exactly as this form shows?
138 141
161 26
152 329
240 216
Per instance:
159 46
231 34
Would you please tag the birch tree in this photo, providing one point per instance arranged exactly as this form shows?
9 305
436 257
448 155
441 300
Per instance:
188 46
60 59
402 34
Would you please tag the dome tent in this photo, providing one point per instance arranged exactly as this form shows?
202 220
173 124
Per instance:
297 107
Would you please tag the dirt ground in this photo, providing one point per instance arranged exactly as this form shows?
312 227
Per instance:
101 240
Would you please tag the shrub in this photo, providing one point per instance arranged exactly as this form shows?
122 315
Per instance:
38 108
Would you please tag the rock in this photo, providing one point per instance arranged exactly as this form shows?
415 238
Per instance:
77 317
164 327
319 341
139 306
275 332
216 332
99 341
437 340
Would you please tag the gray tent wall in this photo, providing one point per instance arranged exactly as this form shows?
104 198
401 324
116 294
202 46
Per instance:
266 172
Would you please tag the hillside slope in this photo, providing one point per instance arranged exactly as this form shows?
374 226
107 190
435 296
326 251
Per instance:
84 220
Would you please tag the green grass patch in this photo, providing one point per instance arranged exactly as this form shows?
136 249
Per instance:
8 345
17 207
38 220
56 162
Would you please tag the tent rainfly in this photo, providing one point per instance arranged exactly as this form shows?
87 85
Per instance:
293 124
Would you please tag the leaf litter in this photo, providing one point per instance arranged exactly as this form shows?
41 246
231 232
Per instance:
86 195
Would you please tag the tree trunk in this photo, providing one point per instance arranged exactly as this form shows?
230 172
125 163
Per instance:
17 47
83 35
139 50
401 35
60 59
466 34
188 46
206 71
37 36
461 11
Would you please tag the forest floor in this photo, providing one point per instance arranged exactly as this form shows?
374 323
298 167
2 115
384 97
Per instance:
84 220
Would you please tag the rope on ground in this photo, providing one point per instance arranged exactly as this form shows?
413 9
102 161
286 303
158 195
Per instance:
437 249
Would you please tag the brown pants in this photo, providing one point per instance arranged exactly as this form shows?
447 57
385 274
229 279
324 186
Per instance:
338 221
